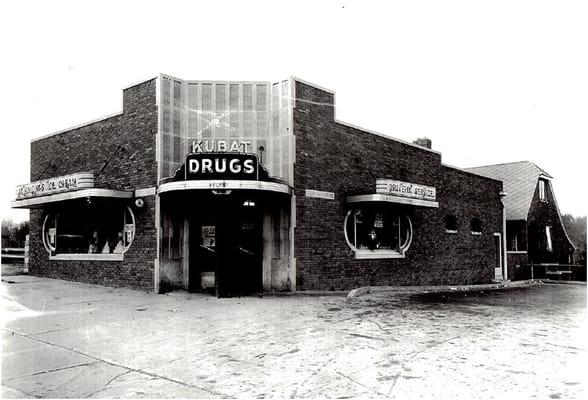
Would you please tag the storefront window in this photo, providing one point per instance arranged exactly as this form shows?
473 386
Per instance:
378 232
94 229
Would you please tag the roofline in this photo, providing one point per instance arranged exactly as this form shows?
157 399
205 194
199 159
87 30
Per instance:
386 136
543 173
93 121
71 128
506 163
560 219
295 78
223 82
471 173
338 121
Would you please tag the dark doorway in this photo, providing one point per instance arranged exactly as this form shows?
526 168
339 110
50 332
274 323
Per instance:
226 247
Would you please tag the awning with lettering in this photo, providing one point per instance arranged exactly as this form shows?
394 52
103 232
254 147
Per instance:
399 192
386 198
40 201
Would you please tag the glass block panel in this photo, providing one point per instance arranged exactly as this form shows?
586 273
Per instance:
177 122
207 132
166 147
255 112
234 122
165 89
193 96
192 129
262 125
261 98
247 97
177 94
220 98
234 97
206 97
165 120
221 118
247 124
275 109
186 147
177 155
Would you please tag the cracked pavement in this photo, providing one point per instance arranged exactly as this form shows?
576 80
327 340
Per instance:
64 339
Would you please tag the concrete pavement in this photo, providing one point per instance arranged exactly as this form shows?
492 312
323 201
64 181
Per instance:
66 339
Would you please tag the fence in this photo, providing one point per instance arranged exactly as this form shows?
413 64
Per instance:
557 271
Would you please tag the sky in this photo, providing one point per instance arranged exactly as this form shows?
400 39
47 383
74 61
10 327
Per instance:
488 82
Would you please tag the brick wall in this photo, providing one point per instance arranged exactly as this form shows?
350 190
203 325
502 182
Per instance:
88 148
338 158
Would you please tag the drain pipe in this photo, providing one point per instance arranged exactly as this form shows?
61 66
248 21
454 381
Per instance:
502 195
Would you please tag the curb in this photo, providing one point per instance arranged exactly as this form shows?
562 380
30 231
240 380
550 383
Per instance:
440 289
359 292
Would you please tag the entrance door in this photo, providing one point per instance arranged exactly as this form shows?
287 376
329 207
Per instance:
498 257
203 254
226 246
240 266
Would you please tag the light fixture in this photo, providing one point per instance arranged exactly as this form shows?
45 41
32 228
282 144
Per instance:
248 203
221 191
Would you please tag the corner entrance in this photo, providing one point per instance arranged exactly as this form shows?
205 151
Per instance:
226 247
231 241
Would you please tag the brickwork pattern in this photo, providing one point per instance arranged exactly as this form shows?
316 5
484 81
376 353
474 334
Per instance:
338 158
129 141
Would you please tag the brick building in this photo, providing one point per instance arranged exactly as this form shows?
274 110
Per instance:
239 187
535 233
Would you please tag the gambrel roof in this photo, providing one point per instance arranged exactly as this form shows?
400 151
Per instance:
519 182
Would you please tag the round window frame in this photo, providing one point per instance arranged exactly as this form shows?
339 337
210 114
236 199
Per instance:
127 247
403 249
48 247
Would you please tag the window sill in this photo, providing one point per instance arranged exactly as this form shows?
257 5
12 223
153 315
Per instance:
374 254
450 231
477 233
516 252
87 257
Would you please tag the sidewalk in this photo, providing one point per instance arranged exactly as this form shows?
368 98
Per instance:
67 339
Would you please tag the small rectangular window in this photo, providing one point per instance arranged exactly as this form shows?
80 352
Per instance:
542 191
549 244
476 226
514 243
450 224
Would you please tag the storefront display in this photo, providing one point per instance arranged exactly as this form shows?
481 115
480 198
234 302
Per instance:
242 187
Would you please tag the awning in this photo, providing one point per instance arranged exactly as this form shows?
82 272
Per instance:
225 185
386 198
38 202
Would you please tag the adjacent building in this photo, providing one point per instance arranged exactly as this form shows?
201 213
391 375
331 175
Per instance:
239 187
535 233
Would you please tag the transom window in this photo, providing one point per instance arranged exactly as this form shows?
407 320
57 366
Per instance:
90 230
378 232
